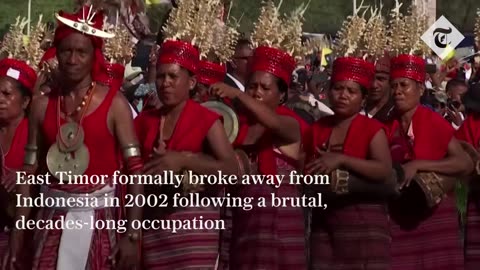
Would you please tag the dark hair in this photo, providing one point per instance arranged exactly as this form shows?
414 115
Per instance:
283 89
364 90
25 92
243 42
455 83
240 43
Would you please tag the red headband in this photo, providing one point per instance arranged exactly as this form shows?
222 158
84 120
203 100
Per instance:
210 73
408 66
353 69
19 71
180 53
274 61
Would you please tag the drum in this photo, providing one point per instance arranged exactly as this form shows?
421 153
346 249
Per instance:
473 154
243 161
434 187
230 118
344 183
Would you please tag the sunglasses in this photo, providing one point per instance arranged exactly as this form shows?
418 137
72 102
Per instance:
246 58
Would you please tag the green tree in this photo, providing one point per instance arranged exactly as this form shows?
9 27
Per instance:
10 9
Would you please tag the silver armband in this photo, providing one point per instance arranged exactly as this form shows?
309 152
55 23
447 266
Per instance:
131 150
31 152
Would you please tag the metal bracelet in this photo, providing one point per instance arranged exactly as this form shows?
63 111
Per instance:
30 157
31 148
341 186
131 150
134 237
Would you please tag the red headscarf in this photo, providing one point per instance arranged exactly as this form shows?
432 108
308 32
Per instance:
64 31
353 69
180 53
20 71
210 73
408 66
50 54
273 61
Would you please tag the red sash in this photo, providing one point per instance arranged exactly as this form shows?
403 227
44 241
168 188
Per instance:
190 130
470 130
432 134
357 141
266 154
15 156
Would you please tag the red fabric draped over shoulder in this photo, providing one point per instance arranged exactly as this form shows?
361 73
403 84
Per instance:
357 142
432 134
15 156
470 130
189 134
266 154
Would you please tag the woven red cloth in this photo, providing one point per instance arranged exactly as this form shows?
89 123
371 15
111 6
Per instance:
210 73
353 233
185 249
408 66
18 70
353 69
422 238
180 53
274 61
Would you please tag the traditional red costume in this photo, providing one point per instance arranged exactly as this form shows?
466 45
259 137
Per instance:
268 237
14 156
163 249
422 238
470 133
86 248
354 231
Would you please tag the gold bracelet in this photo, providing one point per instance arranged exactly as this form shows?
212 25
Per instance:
131 150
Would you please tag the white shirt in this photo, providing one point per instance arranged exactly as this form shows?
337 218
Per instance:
362 112
134 113
320 105
237 82
453 124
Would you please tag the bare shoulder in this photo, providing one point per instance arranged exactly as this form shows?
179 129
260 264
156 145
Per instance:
120 101
120 108
101 92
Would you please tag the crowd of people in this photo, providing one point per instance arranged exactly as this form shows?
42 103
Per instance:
394 137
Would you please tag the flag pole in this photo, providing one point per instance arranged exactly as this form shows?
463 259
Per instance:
29 16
